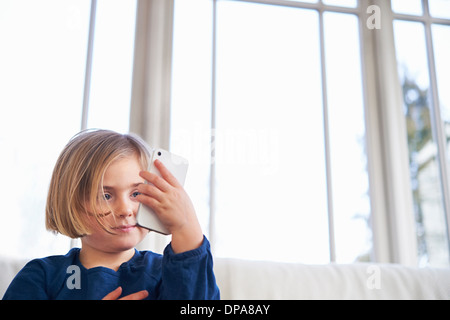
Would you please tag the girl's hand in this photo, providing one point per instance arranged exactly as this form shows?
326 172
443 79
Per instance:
173 206
114 295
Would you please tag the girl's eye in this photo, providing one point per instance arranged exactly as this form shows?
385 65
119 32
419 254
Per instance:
135 194
107 196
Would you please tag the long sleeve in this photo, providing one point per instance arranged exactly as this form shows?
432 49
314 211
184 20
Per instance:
189 275
29 284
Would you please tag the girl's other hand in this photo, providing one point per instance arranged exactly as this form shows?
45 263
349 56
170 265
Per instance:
114 295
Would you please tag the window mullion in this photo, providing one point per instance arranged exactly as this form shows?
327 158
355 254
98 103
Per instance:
88 74
399 213
87 82
381 251
331 235
212 169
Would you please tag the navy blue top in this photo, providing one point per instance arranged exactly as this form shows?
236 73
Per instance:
187 275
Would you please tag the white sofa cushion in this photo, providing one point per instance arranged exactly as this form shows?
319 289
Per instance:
240 279
9 267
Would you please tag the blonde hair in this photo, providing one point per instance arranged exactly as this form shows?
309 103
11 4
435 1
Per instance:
77 179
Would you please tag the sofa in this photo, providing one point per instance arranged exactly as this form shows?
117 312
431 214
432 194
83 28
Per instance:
240 279
261 280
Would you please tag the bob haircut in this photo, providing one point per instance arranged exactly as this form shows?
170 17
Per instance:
77 179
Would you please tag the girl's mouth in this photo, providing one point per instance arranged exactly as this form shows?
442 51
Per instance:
125 228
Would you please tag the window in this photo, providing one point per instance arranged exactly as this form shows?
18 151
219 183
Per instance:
286 179
422 37
284 124
43 63
288 111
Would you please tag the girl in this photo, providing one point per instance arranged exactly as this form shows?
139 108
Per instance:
94 194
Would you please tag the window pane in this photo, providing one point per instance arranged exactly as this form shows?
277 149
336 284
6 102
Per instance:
351 202
42 63
112 65
342 3
424 170
191 98
441 36
440 8
271 188
413 7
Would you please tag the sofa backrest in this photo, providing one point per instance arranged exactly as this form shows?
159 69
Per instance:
9 267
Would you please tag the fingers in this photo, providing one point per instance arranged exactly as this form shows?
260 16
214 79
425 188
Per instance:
140 295
150 191
114 295
164 182
155 180
166 174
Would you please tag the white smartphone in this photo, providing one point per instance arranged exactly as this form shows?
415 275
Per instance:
178 166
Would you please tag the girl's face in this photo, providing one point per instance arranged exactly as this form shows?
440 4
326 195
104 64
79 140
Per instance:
120 208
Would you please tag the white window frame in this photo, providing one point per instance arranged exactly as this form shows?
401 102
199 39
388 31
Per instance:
88 72
392 216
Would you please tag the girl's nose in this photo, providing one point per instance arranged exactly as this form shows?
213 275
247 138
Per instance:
124 209
125 213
